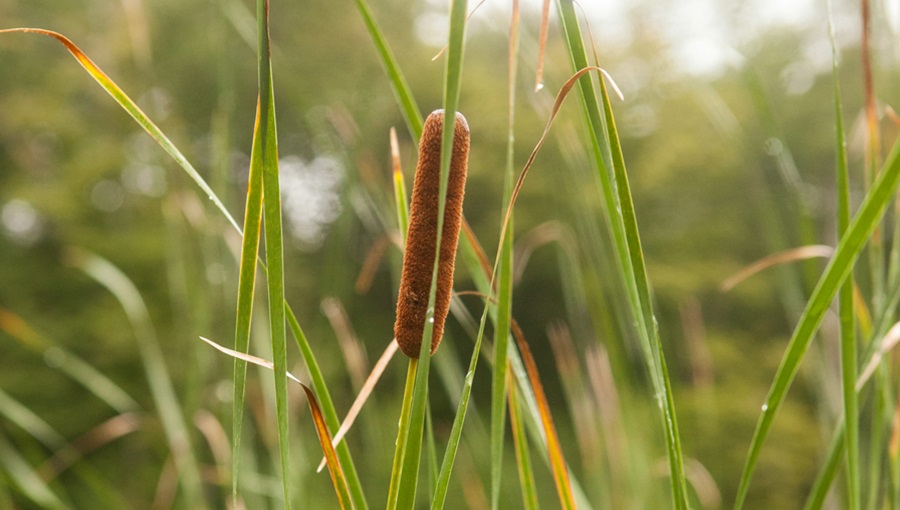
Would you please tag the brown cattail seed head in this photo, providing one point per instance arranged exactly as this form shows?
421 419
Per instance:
418 258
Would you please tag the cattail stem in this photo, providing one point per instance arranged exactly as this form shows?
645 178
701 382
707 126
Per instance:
418 258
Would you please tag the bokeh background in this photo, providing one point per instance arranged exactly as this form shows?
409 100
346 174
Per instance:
727 128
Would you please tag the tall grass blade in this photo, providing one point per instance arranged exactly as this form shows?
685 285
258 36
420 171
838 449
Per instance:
136 113
66 455
861 227
402 435
129 106
478 260
849 356
331 417
412 445
246 288
504 278
161 388
398 83
364 392
265 141
68 362
27 420
557 461
877 489
334 465
20 475
430 451
657 363
620 211
452 82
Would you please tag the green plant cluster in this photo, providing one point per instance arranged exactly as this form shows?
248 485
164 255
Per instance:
662 388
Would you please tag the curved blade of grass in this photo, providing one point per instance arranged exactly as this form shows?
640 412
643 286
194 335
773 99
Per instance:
411 445
473 251
104 493
504 280
69 363
21 415
851 243
535 421
19 474
334 464
398 83
471 13
620 211
656 362
557 462
136 113
775 259
364 392
246 288
331 417
849 356
266 142
161 388
452 81
309 358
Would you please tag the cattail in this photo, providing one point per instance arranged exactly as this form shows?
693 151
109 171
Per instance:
418 259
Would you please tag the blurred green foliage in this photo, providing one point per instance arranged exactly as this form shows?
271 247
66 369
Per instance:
726 167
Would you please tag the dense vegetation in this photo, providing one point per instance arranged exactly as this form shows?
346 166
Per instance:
726 166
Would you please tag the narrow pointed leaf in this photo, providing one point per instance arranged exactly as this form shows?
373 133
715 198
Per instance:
398 82
136 113
246 288
851 243
334 464
265 141
161 386
452 81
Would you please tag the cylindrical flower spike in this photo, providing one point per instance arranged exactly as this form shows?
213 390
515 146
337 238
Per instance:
418 259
